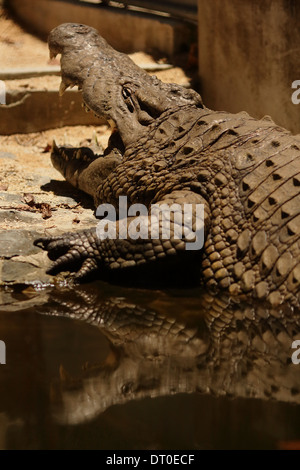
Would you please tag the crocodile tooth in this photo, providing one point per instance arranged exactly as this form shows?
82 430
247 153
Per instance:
62 88
54 148
52 55
112 124
65 155
95 138
78 154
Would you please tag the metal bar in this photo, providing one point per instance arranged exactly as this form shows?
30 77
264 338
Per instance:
182 9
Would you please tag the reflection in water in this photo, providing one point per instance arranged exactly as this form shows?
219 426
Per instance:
215 345
162 344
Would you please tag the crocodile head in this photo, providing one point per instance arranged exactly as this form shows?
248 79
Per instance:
112 85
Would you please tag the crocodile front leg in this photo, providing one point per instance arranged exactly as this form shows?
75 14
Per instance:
86 252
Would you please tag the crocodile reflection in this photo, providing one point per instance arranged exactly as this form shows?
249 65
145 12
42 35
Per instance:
233 349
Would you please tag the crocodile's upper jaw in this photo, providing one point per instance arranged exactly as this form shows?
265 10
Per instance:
112 85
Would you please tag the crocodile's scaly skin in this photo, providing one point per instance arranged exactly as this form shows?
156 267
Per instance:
169 148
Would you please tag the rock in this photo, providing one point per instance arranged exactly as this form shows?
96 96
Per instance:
25 269
8 155
17 242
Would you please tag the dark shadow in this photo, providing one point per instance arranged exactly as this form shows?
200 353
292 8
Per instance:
65 189
181 273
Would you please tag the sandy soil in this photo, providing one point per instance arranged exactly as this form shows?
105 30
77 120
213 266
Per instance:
33 150
19 48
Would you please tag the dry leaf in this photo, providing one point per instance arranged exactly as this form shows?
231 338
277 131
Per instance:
28 199
46 210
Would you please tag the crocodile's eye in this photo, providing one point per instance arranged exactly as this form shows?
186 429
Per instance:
126 92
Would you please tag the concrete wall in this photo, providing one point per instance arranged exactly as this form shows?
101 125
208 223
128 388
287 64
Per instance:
125 30
37 110
249 55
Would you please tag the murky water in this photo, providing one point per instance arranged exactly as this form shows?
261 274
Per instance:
106 367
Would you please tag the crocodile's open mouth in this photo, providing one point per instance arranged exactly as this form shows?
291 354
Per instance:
71 161
115 134
65 85
113 87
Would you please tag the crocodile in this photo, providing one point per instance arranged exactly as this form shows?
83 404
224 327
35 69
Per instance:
167 147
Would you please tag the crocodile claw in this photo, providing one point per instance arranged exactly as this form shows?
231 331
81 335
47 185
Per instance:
72 252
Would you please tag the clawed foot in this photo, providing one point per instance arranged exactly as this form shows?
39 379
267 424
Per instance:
73 252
